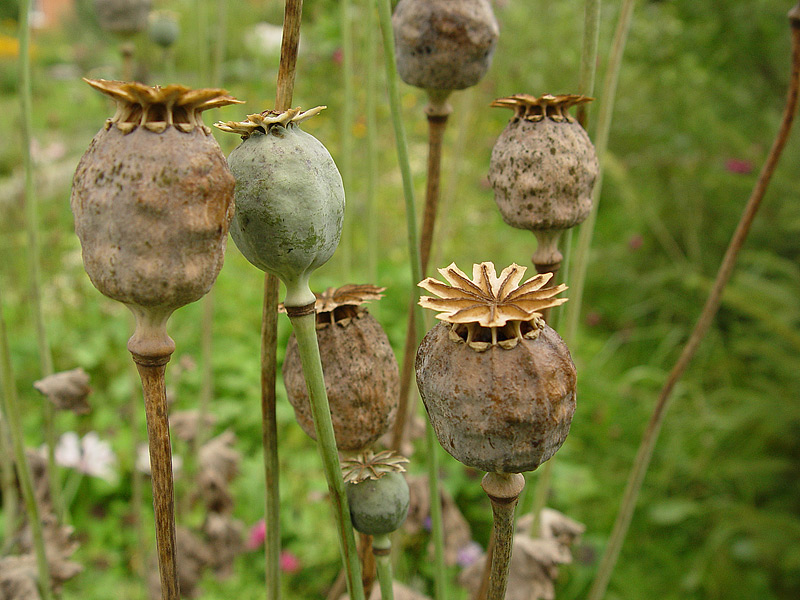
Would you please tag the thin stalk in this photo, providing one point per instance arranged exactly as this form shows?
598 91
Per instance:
503 490
372 144
432 447
292 18
305 331
346 161
601 144
137 484
151 371
11 410
202 37
34 247
591 37
221 30
7 488
207 359
647 445
382 549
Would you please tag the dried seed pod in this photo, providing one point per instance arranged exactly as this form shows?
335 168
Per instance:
152 199
543 169
289 198
377 492
444 44
361 374
124 17
497 382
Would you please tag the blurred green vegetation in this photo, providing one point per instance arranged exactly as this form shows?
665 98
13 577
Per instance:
702 85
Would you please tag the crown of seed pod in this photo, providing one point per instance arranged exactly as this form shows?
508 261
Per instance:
289 198
361 374
152 198
497 382
124 17
444 44
377 492
543 168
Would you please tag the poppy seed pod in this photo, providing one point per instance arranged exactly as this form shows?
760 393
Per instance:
377 491
444 44
361 375
543 168
289 199
164 28
124 17
497 382
152 199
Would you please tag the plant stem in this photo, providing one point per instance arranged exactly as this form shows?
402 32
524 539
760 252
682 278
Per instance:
11 410
347 124
151 371
305 331
385 15
7 488
591 37
601 144
34 247
647 445
207 353
503 490
292 18
221 30
372 144
382 549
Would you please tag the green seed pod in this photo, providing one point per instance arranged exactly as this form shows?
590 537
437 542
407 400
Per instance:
164 28
377 492
289 199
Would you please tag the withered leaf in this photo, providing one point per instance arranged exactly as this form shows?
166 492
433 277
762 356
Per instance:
67 390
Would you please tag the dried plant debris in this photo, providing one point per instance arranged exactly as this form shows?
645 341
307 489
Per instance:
457 533
225 540
498 303
219 464
534 561
369 465
193 556
186 424
67 390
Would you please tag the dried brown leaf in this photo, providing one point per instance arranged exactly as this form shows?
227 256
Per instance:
67 390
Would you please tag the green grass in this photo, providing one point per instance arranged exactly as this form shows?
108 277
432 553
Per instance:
719 515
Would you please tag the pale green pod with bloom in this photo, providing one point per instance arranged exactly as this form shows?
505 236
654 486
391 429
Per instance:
289 199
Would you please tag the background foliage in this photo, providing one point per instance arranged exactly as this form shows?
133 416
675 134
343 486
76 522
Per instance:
699 100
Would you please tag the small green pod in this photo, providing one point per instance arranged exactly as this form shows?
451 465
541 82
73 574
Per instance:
378 506
289 199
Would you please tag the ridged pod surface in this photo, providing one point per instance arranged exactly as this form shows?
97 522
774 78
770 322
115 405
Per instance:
289 199
152 199
543 165
444 44
500 410
361 378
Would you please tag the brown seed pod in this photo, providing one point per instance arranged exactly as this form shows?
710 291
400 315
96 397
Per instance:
444 44
152 199
361 375
497 382
543 167
124 17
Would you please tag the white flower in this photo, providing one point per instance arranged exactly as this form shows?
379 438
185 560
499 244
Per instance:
90 455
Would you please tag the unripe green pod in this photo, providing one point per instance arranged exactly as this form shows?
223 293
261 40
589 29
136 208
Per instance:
378 506
164 28
289 199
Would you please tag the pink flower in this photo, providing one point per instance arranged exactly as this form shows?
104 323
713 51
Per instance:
737 165
289 563
258 533
337 56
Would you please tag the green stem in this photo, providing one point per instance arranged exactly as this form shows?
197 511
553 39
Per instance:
372 146
503 490
11 409
385 14
306 334
221 30
591 37
382 548
346 161
601 144
7 487
207 359
34 247
650 436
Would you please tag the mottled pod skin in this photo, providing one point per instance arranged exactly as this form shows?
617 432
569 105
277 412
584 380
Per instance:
361 378
378 506
152 204
500 410
289 201
444 44
543 165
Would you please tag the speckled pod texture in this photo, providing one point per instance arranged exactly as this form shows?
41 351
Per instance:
361 378
543 174
378 506
444 44
500 410
152 212
289 202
